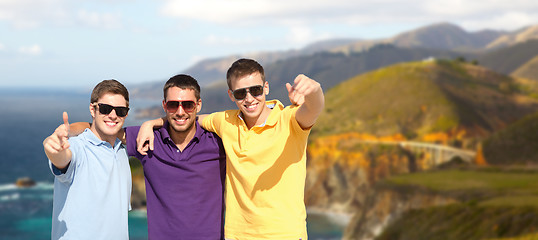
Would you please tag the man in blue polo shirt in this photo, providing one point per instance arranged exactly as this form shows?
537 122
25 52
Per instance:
92 185
185 172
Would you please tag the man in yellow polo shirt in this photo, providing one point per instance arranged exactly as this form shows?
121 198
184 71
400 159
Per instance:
265 145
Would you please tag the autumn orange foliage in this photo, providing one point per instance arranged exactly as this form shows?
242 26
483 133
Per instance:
350 151
444 137
356 150
480 160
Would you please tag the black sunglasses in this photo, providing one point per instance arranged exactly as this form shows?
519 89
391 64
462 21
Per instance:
241 93
172 106
107 109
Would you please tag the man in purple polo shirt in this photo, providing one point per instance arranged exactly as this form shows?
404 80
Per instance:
185 172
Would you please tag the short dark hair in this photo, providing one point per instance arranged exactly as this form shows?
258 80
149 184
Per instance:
241 68
109 86
182 81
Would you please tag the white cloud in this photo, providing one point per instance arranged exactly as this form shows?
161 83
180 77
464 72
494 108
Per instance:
224 40
195 59
2 47
300 34
217 10
28 14
100 20
490 14
31 50
32 13
352 12
503 21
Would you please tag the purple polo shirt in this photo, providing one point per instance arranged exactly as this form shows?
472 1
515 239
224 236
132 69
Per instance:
184 190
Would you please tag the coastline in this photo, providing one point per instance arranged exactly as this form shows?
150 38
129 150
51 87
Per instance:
337 217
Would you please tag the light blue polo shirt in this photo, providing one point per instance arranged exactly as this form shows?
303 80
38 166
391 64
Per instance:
92 198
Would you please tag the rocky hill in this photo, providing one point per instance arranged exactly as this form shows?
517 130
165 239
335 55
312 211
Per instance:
445 36
519 36
463 204
448 102
509 59
420 98
529 70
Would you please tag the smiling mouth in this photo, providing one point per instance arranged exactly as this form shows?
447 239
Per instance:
111 124
181 121
251 107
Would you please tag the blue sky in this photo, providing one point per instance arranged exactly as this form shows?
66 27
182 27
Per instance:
77 43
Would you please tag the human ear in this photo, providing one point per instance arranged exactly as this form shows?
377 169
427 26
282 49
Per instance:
92 110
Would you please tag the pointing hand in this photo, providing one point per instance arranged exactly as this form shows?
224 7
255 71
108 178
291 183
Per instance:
302 87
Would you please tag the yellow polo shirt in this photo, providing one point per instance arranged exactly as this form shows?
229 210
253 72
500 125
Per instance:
265 174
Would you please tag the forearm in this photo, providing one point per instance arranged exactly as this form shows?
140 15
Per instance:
60 161
144 140
154 123
315 101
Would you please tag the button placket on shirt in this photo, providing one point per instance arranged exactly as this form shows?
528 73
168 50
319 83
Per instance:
171 149
178 155
244 136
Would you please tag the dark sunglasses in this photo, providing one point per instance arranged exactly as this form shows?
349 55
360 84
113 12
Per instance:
241 93
173 106
107 109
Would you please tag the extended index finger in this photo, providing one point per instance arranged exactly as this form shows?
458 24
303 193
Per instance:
300 81
66 121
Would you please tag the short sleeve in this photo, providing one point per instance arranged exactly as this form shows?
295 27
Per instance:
212 122
130 137
291 111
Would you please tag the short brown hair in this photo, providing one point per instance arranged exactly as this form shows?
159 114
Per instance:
241 68
182 81
109 86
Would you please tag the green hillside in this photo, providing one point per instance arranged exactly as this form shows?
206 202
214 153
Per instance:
423 97
516 144
528 70
331 69
493 204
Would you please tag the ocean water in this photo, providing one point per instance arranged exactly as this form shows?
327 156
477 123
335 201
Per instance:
27 118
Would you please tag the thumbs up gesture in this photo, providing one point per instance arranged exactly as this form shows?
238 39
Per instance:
56 144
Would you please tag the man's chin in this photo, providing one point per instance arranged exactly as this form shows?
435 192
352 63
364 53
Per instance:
112 130
181 128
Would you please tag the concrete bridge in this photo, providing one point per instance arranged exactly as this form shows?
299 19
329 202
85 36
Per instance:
439 153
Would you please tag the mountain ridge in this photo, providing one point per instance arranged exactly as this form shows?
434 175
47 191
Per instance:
420 98
440 36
